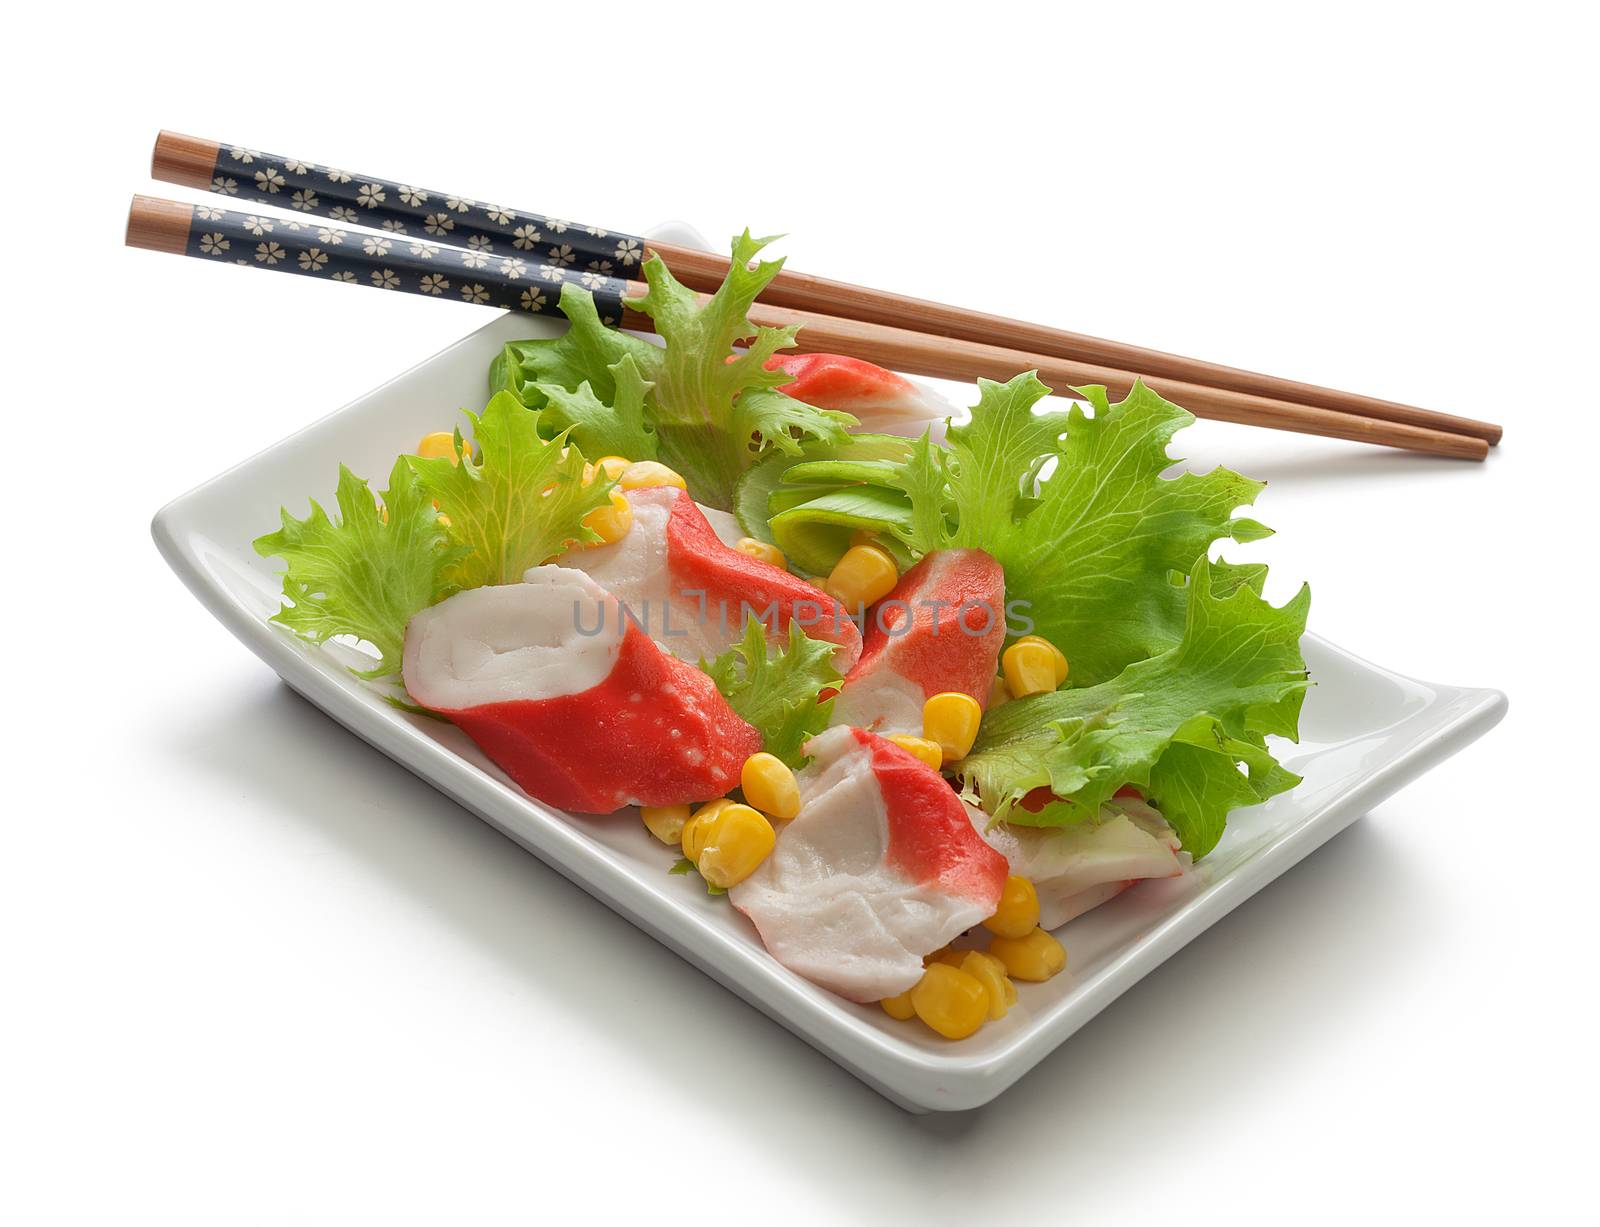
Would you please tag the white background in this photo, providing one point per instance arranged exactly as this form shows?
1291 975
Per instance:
259 974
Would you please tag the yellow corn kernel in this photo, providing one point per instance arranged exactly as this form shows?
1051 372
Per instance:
999 696
441 445
770 786
863 536
864 576
1038 956
764 550
947 955
1029 668
643 473
612 466
1018 912
740 840
612 521
991 973
665 822
1056 655
696 832
898 1007
950 720
920 747
950 1001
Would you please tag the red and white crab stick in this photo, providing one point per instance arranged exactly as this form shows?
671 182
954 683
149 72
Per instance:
880 868
571 699
939 630
692 593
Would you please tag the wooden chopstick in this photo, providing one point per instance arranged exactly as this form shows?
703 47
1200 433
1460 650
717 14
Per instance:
369 201
420 266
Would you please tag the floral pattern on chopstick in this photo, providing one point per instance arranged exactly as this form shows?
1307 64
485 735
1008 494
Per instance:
406 211
395 262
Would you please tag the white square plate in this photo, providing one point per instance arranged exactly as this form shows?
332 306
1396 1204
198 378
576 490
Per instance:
1367 732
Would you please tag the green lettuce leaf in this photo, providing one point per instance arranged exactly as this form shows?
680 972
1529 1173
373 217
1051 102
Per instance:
777 692
520 505
1177 726
598 428
1075 508
366 573
585 353
715 410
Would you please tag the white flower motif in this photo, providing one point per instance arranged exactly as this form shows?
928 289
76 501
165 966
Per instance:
480 242
330 236
603 267
525 237
562 253
269 253
424 251
336 176
385 279
459 203
592 280
347 277
596 231
305 200
269 180
499 216
412 195
438 223
394 225
296 167
627 251
207 214
513 267
552 272
228 187
434 283
240 154
297 227
375 246
313 259
533 299
343 213
556 224
371 195
473 259
475 293
242 263
257 225
213 244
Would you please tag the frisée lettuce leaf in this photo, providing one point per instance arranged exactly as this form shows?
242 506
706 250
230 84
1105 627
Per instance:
368 571
520 504
709 410
1074 506
777 692
1187 727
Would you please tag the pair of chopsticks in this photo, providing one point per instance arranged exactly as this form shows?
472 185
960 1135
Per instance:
363 230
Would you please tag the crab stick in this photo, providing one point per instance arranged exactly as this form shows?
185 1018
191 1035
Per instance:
880 868
571 699
939 630
692 593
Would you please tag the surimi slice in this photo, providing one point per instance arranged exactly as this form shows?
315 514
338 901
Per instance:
941 629
880 868
692 593
570 699
1076 868
880 399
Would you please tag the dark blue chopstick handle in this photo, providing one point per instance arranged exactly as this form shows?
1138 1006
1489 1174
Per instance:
403 210
415 265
